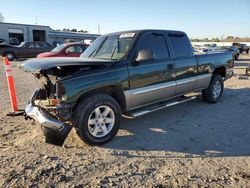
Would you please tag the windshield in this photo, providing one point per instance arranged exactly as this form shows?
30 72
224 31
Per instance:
58 48
21 44
221 48
113 47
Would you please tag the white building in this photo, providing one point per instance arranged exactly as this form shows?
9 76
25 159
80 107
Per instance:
26 32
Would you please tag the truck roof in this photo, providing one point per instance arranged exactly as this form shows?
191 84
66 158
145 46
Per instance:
147 30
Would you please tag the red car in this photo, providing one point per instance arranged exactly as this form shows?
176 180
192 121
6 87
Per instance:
65 50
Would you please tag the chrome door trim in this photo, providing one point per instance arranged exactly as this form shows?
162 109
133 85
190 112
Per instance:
204 76
186 80
145 93
152 88
202 83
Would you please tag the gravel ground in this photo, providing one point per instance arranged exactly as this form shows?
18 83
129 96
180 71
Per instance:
191 145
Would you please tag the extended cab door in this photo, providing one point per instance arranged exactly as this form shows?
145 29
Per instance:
185 62
151 80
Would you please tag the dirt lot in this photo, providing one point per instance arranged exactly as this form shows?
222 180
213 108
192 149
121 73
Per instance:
192 145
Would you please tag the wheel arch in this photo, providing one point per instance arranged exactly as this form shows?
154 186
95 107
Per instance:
114 91
220 71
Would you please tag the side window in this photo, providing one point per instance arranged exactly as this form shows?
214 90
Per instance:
180 45
37 45
46 45
83 48
78 49
43 45
70 49
154 42
29 45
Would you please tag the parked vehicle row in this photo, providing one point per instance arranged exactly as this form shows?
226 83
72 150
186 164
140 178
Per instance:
125 73
24 50
65 50
235 51
41 50
219 49
208 48
242 47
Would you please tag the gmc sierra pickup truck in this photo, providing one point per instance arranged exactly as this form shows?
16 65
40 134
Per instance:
126 74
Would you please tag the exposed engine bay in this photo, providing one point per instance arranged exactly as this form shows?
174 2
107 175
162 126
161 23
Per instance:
50 73
51 90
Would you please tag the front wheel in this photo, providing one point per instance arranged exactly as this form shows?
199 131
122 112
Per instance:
97 119
214 91
10 56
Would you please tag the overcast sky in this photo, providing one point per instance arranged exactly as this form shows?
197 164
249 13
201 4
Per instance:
210 18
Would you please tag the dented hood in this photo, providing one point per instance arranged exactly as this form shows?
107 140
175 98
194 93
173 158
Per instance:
38 64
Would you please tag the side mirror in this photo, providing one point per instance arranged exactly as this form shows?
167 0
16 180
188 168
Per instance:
144 55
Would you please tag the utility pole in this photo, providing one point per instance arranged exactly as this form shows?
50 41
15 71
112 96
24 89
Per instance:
1 17
99 29
222 38
36 20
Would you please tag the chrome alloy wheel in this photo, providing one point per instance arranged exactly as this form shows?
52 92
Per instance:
101 121
9 56
216 89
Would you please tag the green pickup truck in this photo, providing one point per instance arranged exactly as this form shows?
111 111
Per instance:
127 74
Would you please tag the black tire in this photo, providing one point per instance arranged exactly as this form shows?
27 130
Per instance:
209 93
84 111
247 51
247 71
10 55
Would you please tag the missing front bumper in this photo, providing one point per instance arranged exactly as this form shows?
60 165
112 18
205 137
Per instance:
55 131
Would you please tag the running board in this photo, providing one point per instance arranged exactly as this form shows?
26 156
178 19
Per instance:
158 107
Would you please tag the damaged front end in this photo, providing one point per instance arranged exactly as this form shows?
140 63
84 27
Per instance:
48 104
45 106
54 130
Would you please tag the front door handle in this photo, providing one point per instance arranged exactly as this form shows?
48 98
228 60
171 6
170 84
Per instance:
170 66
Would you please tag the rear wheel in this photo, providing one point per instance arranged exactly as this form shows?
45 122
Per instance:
247 51
213 93
248 71
97 119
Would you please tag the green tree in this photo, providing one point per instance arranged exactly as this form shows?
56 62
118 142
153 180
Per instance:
64 29
82 31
